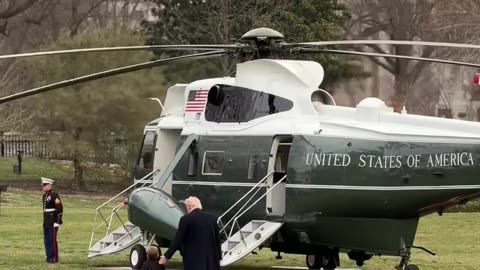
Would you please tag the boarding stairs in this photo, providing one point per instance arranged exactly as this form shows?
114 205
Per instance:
127 234
252 235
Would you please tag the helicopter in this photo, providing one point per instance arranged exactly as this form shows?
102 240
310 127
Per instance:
281 165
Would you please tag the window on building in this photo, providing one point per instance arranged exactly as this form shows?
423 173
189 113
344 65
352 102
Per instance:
213 163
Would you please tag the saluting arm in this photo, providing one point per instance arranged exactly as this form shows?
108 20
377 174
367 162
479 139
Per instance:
59 207
179 236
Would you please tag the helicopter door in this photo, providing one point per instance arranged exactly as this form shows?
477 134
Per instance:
278 163
165 151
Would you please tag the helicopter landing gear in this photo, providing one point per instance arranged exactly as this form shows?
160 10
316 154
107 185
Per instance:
279 257
405 253
313 262
321 261
359 256
138 255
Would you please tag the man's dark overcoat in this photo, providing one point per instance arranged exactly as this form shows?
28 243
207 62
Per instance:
198 240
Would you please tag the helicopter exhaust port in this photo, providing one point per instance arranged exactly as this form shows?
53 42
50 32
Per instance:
321 97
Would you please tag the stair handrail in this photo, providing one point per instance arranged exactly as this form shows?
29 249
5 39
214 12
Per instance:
265 194
245 195
246 210
239 210
105 220
192 138
128 188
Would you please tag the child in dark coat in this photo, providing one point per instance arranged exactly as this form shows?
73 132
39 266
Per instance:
153 256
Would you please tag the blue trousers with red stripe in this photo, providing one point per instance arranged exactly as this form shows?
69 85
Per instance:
51 246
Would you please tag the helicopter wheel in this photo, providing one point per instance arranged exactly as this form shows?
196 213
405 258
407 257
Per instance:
138 255
331 263
326 262
314 261
412 267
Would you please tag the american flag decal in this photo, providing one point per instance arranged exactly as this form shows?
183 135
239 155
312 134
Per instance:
196 101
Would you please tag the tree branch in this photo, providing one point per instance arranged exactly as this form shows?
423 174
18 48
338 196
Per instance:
78 21
11 12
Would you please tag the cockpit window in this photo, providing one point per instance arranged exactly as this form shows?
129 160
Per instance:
237 104
145 160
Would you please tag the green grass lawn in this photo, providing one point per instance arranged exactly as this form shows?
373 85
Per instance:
454 237
96 176
32 168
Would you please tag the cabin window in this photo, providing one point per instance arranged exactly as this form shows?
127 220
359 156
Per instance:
145 160
192 163
213 163
252 166
281 160
237 104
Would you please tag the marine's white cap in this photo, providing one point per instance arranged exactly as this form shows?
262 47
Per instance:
47 181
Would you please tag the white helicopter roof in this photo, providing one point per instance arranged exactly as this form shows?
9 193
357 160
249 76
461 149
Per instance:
276 76
206 84
297 81
290 79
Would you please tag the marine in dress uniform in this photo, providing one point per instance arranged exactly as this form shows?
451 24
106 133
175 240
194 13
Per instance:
52 218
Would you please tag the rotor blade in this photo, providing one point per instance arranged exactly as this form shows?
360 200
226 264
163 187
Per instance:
306 50
127 48
109 73
382 42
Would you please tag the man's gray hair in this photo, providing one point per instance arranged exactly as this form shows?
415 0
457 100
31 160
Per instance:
193 202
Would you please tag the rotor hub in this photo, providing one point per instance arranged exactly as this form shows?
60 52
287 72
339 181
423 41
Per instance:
264 40
262 33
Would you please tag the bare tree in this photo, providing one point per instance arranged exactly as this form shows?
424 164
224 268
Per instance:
74 16
26 25
13 75
457 21
396 20
11 8
113 14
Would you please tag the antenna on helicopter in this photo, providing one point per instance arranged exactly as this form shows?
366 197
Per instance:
161 105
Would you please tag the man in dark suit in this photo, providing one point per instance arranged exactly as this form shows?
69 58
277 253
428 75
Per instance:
197 238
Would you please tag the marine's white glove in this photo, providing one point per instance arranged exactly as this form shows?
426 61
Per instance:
55 225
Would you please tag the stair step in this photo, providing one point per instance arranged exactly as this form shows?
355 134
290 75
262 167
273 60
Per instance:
130 227
257 224
245 234
232 244
117 236
254 234
118 240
